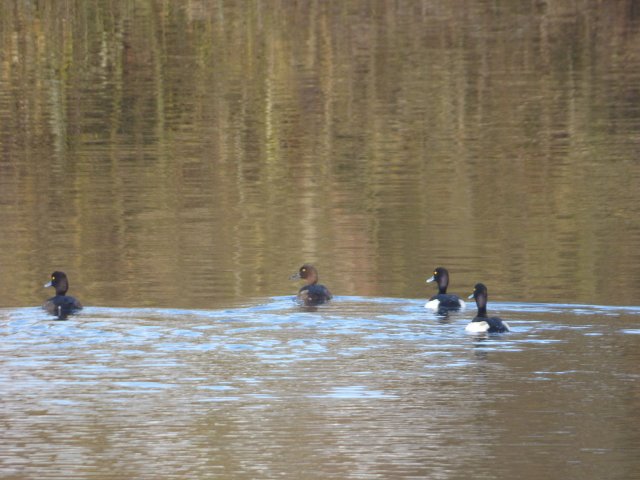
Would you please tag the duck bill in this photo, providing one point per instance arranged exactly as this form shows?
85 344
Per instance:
295 276
47 285
470 296
431 279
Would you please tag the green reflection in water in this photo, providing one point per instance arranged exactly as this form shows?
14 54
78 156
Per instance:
193 155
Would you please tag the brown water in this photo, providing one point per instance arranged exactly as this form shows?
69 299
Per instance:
179 160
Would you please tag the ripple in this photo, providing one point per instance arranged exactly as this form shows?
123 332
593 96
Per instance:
272 372
354 392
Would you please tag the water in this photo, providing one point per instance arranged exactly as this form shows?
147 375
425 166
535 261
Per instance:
180 160
363 388
195 155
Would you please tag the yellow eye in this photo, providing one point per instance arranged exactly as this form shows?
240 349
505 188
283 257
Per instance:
435 273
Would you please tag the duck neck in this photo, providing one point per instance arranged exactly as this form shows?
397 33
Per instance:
481 302
312 277
443 283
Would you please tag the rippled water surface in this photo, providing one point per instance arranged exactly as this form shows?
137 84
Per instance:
361 388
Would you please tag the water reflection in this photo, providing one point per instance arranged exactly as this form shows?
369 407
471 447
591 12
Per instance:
191 155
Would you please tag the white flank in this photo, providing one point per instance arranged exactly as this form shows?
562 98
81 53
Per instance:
432 304
477 327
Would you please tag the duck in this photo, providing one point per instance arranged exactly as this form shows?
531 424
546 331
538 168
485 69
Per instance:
443 301
312 293
481 323
61 305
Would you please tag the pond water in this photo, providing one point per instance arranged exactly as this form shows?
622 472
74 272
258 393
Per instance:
180 160
361 388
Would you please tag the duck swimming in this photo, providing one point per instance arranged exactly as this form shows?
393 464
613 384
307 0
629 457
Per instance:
443 301
62 305
312 293
481 323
